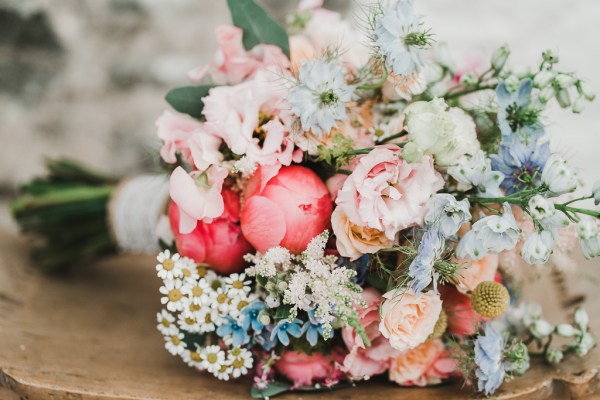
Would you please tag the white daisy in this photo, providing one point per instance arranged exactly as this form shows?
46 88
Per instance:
209 319
221 301
214 281
198 291
173 297
224 373
320 96
212 358
192 309
188 322
174 343
240 360
239 302
192 358
167 267
401 38
237 284
189 269
166 323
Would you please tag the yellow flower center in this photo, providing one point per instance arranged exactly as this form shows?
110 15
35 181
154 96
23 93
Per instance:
174 295
175 340
190 320
237 284
208 319
238 363
223 368
211 358
197 291
195 307
202 270
168 264
165 323
222 298
195 356
242 304
216 284
186 272
236 351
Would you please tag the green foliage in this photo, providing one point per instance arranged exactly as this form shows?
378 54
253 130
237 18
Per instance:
359 329
283 312
258 26
189 99
273 388
339 153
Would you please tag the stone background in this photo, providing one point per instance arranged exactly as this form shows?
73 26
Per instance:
86 78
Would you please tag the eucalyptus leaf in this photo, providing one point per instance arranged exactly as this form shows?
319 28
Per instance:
273 388
189 99
258 26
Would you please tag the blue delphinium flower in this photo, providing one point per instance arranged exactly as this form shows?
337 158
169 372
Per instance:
285 327
489 349
516 116
313 329
237 332
421 268
521 164
250 316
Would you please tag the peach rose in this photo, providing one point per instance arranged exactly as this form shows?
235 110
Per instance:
353 240
424 365
408 319
473 272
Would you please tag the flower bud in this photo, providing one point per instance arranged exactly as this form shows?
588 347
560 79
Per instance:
281 286
554 355
264 318
578 105
581 318
272 301
468 79
565 81
550 56
585 345
558 176
563 98
499 58
589 239
596 192
512 83
566 330
516 358
543 78
541 328
540 207
586 92
537 248
546 94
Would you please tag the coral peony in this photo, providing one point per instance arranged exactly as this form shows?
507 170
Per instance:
424 365
220 243
287 209
407 319
362 361
305 370
386 193
462 319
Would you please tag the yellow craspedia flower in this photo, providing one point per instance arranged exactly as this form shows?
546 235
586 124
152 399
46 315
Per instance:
490 299
440 326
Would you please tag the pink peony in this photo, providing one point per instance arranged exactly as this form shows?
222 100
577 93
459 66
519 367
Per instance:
362 361
462 319
407 319
305 370
286 208
198 196
427 364
473 272
386 193
246 117
353 241
220 243
232 64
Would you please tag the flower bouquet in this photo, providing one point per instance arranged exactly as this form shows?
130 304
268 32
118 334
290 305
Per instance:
339 210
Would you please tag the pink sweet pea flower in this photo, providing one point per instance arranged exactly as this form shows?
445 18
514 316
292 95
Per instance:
232 64
387 193
285 208
428 364
362 361
220 244
198 195
305 370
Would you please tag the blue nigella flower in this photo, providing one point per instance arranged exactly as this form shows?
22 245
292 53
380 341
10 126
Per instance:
489 349
421 268
313 329
516 117
360 265
264 338
285 327
521 164
233 328
250 316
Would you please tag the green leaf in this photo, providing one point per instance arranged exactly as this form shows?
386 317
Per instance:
188 99
258 26
283 312
272 389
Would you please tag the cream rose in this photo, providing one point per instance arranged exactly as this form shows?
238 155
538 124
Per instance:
352 240
407 319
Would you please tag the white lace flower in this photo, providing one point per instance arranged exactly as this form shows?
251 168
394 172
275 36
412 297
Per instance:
174 343
212 358
173 298
240 360
320 96
236 284
166 323
167 267
401 38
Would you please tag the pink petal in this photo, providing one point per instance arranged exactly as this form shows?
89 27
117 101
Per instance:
263 223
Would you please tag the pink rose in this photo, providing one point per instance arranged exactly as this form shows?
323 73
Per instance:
473 272
246 117
427 364
220 243
232 64
305 370
362 361
287 208
407 319
386 193
198 195
353 241
462 319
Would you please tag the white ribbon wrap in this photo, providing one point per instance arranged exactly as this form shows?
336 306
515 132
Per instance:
135 210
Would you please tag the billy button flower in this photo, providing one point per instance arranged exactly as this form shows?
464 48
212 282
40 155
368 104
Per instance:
490 299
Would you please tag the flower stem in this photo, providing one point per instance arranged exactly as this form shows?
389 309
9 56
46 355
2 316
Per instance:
476 88
376 85
392 137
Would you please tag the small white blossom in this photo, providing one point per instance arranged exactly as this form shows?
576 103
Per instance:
188 323
541 328
558 176
596 192
476 171
589 238
173 298
166 323
272 301
566 330
401 38
189 269
209 318
276 259
212 358
223 373
221 301
240 360
542 79
470 247
447 213
174 343
244 166
167 267
586 343
540 207
500 57
198 291
581 318
237 284
320 96
537 248
192 358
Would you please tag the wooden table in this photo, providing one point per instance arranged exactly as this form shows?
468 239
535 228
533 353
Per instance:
92 335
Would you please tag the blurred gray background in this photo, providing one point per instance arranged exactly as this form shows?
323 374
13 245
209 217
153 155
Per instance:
86 78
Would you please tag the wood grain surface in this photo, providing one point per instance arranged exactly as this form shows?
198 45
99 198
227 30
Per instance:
92 335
